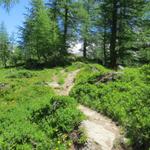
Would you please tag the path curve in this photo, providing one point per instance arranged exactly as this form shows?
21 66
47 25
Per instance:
102 132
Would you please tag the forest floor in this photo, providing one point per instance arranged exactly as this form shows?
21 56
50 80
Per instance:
102 133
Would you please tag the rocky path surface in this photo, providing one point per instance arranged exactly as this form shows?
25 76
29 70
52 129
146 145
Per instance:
102 133
69 82
67 86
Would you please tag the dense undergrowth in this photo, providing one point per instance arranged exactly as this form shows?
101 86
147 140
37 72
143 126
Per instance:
125 99
32 117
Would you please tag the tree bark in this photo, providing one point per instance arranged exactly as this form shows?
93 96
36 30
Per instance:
104 43
85 48
65 29
113 53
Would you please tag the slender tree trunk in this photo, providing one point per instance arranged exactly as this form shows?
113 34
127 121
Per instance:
37 51
5 63
45 58
104 44
113 53
120 34
85 48
121 31
55 11
38 56
54 23
5 56
105 55
4 60
65 29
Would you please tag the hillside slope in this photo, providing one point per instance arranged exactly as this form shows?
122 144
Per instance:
123 96
34 116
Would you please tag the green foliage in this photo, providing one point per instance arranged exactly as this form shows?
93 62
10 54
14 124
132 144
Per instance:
125 100
39 123
79 137
82 137
107 36
32 117
4 45
145 71
16 57
86 12
37 29
21 74
86 76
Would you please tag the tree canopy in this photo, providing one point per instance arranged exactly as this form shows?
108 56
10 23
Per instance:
111 32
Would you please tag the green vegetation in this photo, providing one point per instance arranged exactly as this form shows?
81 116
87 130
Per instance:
125 99
113 33
4 52
31 115
50 28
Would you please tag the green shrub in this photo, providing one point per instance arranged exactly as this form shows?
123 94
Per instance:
31 116
126 100
145 71
21 74
39 123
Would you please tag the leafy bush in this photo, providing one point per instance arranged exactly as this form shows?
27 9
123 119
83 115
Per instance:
21 74
126 100
39 124
145 70
32 117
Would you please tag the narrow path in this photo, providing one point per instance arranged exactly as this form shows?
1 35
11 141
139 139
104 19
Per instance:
67 86
102 133
69 82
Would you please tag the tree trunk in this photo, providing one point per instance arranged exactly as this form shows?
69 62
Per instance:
85 48
104 44
113 53
55 10
5 63
65 29
121 32
37 50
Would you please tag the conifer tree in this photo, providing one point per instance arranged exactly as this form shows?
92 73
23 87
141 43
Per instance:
36 35
4 45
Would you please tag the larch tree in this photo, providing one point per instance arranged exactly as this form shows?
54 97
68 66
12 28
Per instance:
4 45
36 35
122 22
86 18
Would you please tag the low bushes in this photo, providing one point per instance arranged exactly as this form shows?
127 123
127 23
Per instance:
41 124
126 100
32 117
21 74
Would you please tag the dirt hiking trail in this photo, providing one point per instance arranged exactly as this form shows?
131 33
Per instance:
102 133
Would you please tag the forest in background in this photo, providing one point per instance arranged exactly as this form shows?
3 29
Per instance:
112 32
